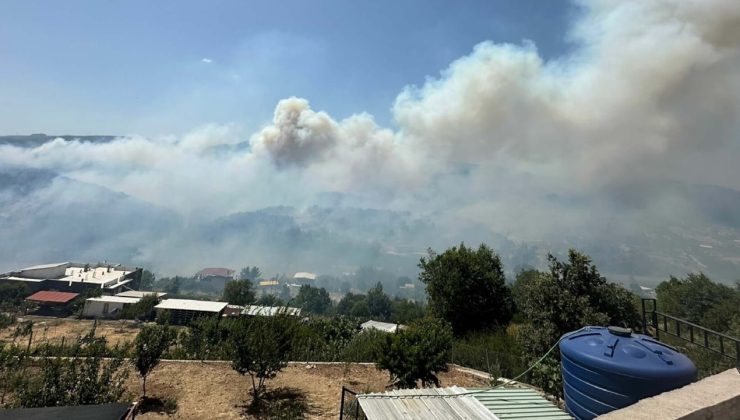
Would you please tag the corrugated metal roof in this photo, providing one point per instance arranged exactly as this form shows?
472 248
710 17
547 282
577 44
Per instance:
255 310
115 299
423 404
42 266
304 275
55 297
140 293
215 272
192 305
519 404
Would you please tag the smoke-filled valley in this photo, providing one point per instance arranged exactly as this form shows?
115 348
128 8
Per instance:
625 147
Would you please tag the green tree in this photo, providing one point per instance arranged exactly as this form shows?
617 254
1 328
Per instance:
405 311
147 280
250 273
260 347
700 300
269 300
467 288
12 297
348 301
142 310
239 292
417 353
570 296
378 303
149 346
312 299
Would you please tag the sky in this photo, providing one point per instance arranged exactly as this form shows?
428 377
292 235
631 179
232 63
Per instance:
609 125
157 68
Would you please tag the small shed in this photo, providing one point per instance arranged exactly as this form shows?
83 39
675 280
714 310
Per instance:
184 311
107 306
381 326
53 303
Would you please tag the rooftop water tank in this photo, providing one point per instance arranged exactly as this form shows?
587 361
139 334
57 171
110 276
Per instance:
605 369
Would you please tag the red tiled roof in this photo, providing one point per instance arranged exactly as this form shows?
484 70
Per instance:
215 272
54 297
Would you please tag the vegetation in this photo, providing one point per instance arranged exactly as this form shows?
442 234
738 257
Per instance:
467 288
570 296
313 300
83 378
12 297
149 345
416 354
260 347
142 310
239 292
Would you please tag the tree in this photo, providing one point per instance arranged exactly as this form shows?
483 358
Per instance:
698 299
345 305
142 310
405 311
313 299
269 300
260 347
147 280
12 297
570 296
250 273
149 345
378 303
467 288
417 353
239 292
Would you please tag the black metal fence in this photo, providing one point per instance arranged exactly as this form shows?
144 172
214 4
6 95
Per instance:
659 323
349 407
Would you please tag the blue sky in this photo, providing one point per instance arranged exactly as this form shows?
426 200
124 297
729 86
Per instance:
165 67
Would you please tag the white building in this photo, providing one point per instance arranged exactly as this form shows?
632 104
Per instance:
183 311
75 277
107 306
141 294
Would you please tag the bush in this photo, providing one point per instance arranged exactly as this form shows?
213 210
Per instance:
416 353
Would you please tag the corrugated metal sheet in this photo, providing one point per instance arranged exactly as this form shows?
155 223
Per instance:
52 297
256 310
423 404
519 404
192 305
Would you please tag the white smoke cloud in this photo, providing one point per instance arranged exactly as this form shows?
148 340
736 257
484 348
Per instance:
649 93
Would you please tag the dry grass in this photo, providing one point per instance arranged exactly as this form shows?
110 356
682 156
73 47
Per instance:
53 330
215 391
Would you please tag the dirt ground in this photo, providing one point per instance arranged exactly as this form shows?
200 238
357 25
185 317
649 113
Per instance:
54 329
215 391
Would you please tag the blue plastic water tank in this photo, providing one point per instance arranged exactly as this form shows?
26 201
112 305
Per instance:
605 369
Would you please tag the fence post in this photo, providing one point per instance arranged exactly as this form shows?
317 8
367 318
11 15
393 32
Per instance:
341 405
644 318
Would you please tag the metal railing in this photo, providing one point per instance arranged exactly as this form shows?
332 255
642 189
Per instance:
676 327
349 407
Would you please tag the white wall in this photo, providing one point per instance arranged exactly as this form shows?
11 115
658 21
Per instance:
98 309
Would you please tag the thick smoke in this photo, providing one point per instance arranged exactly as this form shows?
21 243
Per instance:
532 149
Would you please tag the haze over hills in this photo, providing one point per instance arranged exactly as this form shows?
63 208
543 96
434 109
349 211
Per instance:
51 217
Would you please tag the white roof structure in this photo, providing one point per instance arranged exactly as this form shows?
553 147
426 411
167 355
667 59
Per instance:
381 326
192 305
421 404
42 266
255 310
114 299
140 293
304 275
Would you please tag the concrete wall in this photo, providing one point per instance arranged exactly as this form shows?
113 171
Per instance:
97 309
714 397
